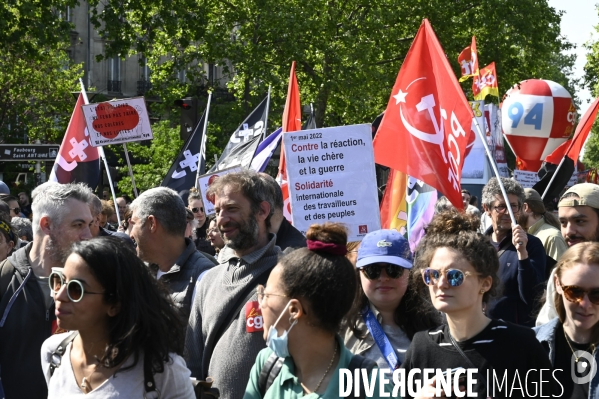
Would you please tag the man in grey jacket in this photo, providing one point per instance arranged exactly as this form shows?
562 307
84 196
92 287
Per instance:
225 331
158 221
61 216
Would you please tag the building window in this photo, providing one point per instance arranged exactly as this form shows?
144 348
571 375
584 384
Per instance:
67 14
114 74
181 75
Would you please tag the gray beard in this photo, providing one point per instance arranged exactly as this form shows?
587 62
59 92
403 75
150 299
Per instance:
56 254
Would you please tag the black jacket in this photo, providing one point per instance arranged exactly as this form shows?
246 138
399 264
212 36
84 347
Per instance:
521 281
25 324
289 237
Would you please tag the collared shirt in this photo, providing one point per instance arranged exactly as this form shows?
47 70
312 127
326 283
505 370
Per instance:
551 237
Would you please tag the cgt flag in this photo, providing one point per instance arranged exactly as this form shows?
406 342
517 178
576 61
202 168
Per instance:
182 174
426 125
468 60
485 83
77 161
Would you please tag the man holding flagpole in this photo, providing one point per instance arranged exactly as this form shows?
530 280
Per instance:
521 255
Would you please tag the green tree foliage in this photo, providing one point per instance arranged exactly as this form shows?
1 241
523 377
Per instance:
591 81
156 158
348 53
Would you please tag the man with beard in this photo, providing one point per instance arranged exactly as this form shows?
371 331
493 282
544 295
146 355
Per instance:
61 216
578 211
521 255
158 223
225 329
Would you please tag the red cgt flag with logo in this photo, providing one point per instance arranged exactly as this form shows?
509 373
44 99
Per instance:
427 123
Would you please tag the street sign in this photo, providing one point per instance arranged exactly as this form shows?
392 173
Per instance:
28 152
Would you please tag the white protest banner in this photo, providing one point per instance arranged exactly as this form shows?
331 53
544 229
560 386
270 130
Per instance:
331 178
205 181
116 122
525 178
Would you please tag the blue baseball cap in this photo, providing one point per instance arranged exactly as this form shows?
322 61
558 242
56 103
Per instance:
4 188
387 246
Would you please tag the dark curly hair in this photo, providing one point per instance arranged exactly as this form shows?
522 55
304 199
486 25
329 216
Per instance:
326 281
147 320
458 231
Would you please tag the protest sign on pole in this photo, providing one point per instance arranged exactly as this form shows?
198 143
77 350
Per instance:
205 181
331 178
116 122
475 169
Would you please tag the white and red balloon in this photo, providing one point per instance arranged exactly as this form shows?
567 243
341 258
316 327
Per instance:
537 116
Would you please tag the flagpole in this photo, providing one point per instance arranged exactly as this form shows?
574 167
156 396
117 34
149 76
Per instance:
558 168
102 155
130 170
203 143
267 109
263 134
496 171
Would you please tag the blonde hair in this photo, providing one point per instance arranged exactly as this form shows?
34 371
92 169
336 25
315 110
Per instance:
586 253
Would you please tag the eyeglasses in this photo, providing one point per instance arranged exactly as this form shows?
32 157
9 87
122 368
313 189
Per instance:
503 208
574 293
373 271
15 210
455 277
75 288
213 230
196 210
262 294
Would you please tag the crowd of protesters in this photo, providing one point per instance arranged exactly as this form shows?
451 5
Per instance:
172 303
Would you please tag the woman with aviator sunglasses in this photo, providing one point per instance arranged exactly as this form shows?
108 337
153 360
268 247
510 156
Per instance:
573 335
129 334
386 305
459 267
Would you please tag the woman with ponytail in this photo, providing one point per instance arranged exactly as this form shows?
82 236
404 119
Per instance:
306 297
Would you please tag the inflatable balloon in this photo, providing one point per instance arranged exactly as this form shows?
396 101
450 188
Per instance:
536 117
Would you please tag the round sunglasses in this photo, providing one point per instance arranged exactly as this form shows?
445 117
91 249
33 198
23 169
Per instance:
75 288
574 293
373 271
454 277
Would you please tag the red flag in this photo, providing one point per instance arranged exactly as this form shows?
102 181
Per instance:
571 148
77 160
468 60
427 123
292 121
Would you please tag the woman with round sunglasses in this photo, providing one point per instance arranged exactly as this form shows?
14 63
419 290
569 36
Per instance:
387 311
459 267
571 339
128 331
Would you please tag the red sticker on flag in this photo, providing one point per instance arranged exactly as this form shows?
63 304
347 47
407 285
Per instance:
253 317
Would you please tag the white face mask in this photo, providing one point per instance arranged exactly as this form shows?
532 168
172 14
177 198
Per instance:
279 345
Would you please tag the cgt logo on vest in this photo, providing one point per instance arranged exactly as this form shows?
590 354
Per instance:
253 317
